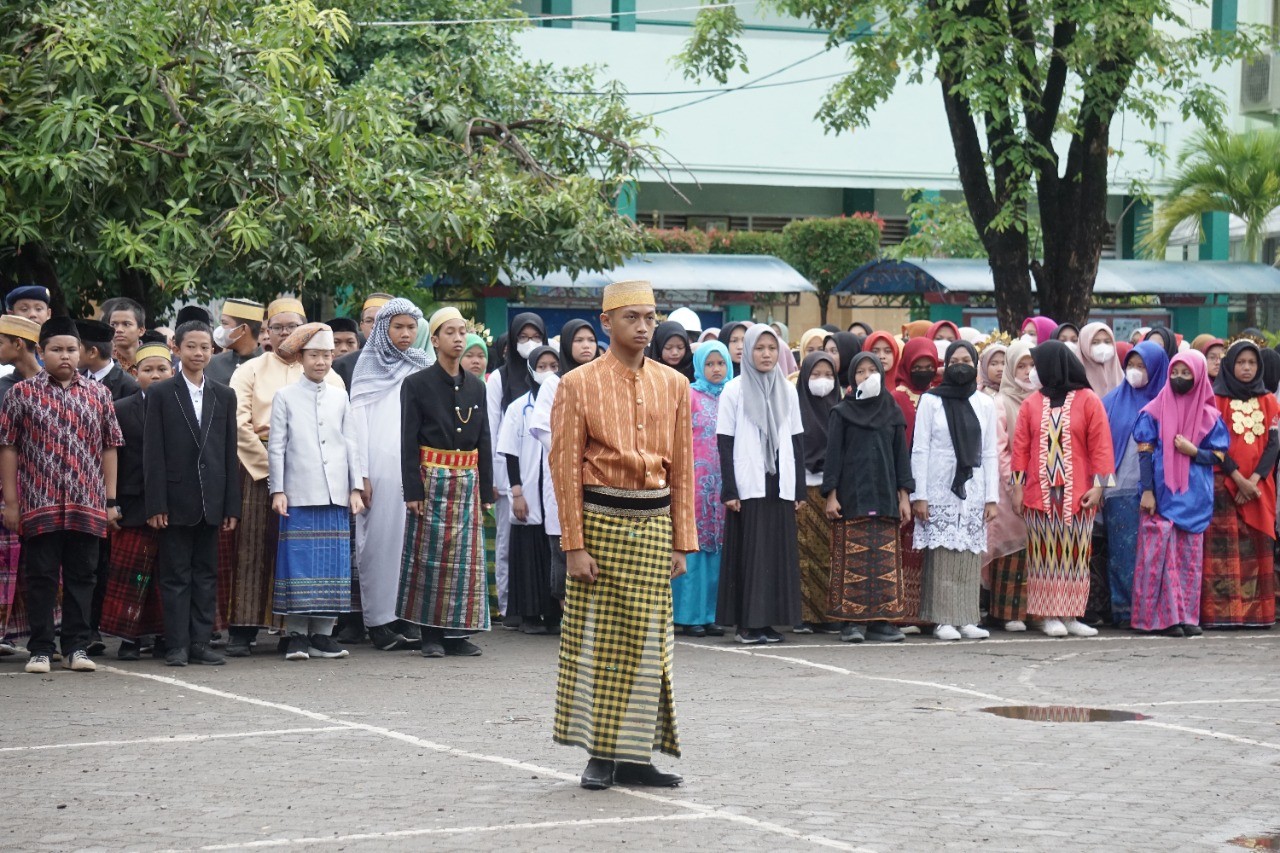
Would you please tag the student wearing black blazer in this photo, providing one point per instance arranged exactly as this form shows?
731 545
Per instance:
192 489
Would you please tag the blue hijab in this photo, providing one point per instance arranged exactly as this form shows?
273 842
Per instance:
1124 402
700 381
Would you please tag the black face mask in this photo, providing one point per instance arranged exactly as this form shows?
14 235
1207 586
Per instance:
922 379
961 374
1180 384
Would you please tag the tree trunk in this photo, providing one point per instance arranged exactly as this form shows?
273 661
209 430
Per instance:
824 302
139 287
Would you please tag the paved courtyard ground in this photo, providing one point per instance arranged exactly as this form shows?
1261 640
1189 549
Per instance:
806 745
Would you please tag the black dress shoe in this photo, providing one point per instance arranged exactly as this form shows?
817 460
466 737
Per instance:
694 631
96 647
129 651
200 653
1173 631
599 774
713 630
645 774
1192 630
175 657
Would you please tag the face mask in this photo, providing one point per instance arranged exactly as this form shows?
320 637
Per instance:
869 387
922 379
1031 383
821 386
1102 352
222 336
526 348
540 376
961 374
1137 378
1181 384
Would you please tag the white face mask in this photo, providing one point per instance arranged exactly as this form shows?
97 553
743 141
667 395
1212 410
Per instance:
1102 353
1031 383
821 386
1137 378
541 376
526 348
222 336
868 388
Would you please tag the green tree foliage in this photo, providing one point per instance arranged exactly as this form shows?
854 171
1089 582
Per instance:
747 243
942 229
826 250
1030 88
159 148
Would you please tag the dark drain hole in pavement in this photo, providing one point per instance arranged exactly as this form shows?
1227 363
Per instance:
1063 714
1270 841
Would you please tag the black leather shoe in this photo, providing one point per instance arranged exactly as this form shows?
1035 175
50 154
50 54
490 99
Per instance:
694 631
1192 630
200 653
599 774
175 657
645 774
1173 631
129 651
713 630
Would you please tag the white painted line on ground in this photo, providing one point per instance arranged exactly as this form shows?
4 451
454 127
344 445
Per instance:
1247 741
1275 701
449 830
174 739
710 811
979 644
839 670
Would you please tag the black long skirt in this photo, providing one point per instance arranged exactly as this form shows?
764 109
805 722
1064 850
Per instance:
760 569
530 573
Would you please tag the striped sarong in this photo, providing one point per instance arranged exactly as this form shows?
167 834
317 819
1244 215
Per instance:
313 561
253 576
442 571
614 696
131 608
1058 550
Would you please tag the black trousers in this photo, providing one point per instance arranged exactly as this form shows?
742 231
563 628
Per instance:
188 576
100 584
73 556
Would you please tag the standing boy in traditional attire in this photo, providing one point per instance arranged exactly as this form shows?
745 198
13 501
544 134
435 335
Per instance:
256 383
622 464
237 334
447 474
315 486
131 609
345 366
58 440
192 489
18 339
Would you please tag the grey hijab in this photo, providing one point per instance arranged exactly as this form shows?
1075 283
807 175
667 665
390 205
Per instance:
764 396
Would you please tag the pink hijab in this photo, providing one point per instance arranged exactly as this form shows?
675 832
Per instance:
1103 376
1190 415
1044 327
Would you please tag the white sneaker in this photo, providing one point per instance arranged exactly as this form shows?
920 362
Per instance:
79 661
946 632
1015 625
910 629
1054 628
1077 628
38 664
973 632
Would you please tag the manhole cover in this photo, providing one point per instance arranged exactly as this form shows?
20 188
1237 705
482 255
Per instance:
1063 714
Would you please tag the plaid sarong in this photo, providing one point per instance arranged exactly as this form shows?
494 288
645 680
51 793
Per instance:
226 568
10 596
1009 587
313 563
442 570
131 609
614 695
253 576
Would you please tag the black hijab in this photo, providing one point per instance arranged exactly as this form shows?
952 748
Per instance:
1072 326
849 345
1226 384
567 333
515 370
666 331
1270 370
531 364
726 332
1059 370
1167 336
830 328
498 353
815 412
962 420
877 412
866 329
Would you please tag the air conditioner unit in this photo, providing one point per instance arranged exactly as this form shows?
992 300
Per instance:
1260 84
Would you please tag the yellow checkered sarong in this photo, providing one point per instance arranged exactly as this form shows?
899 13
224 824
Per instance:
614 696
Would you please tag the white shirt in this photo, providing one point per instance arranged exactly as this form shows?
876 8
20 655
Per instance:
516 439
955 524
748 443
197 394
101 375
540 428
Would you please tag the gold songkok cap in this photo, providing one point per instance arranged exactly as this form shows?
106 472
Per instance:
623 293
244 309
154 349
286 305
443 316
20 327
376 300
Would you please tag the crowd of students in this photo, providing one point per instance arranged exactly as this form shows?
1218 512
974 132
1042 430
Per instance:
391 479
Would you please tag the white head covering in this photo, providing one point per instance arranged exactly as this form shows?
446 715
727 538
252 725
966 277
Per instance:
687 318
381 365
764 396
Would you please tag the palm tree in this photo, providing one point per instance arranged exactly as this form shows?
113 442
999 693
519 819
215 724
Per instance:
1232 172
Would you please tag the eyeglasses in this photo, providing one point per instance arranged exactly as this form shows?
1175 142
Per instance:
530 337
285 330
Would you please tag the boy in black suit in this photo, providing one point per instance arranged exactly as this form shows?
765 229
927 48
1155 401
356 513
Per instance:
192 486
